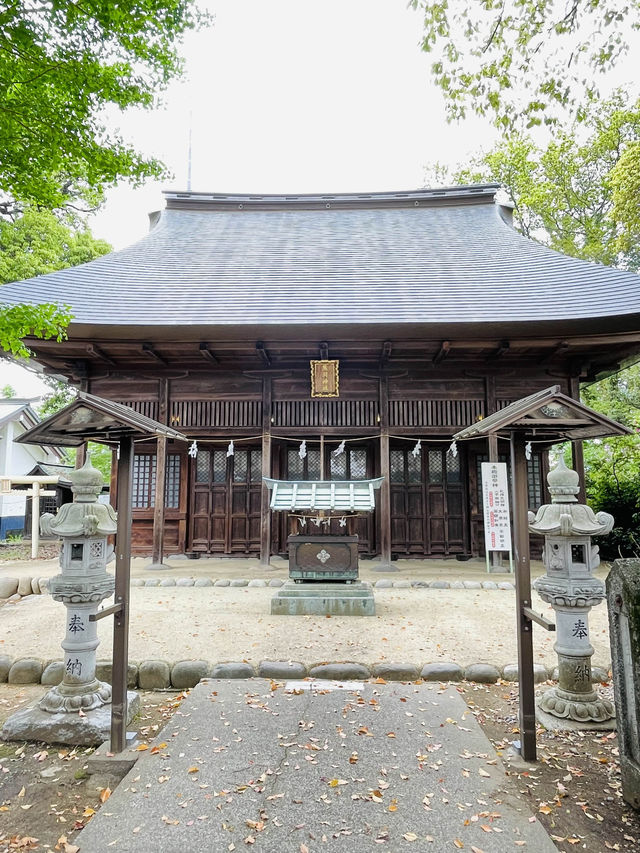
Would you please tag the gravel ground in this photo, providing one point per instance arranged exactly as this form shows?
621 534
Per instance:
228 623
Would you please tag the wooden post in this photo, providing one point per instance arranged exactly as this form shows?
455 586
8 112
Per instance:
81 454
121 597
385 490
157 554
35 519
265 495
577 447
527 709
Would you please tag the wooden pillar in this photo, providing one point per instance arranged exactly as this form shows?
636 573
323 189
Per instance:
163 400
157 552
577 447
81 450
527 710
35 519
385 490
121 598
265 496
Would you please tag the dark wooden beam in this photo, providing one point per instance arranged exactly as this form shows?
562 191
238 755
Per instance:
502 348
324 350
559 349
445 346
205 352
262 352
148 349
385 353
95 350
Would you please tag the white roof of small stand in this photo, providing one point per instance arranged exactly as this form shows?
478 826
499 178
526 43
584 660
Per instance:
341 495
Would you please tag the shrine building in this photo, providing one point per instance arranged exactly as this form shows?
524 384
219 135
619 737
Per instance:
387 321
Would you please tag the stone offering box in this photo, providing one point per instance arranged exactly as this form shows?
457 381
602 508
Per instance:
323 558
623 601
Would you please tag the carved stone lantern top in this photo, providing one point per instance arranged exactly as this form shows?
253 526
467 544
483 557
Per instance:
86 516
564 516
564 483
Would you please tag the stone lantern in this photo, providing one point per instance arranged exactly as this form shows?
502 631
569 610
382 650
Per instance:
572 590
82 584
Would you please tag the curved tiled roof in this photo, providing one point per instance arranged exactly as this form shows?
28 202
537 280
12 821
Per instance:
415 258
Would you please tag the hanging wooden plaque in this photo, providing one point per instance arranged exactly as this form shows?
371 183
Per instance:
325 378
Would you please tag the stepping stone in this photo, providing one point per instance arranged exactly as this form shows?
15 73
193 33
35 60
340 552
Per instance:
25 671
8 587
340 671
384 583
199 582
232 670
440 585
222 582
257 582
154 675
281 669
483 673
395 671
187 673
442 671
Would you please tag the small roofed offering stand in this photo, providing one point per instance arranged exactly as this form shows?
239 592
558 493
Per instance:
90 418
323 568
545 418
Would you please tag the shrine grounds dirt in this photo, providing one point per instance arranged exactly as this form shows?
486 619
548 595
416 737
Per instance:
46 796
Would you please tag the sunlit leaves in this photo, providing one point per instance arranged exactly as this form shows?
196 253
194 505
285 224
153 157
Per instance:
61 64
523 60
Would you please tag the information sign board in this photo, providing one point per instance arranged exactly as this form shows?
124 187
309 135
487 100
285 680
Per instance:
495 501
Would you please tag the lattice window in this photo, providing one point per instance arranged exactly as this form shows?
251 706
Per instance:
240 466
414 468
172 484
313 465
534 482
203 460
256 466
95 549
396 466
338 467
358 464
219 466
295 466
144 480
453 468
435 466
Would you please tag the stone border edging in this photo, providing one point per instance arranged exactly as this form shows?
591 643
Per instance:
180 675
14 589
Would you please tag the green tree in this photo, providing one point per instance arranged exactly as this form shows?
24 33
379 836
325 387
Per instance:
38 242
61 64
575 193
564 195
34 243
524 60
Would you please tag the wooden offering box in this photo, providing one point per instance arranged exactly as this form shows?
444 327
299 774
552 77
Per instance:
323 558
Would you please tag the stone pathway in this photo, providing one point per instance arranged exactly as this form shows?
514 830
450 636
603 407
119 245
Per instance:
351 767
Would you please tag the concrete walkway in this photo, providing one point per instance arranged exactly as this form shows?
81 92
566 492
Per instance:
372 766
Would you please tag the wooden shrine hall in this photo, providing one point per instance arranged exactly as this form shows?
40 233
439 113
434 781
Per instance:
340 337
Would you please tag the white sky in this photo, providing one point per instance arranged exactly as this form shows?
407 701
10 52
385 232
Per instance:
295 96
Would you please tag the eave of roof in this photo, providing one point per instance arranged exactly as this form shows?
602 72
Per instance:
441 260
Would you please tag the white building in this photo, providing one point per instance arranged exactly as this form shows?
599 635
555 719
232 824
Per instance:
17 415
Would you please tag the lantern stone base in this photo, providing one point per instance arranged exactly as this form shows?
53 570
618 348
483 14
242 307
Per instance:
90 729
324 599
566 724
